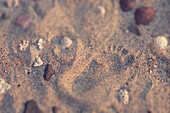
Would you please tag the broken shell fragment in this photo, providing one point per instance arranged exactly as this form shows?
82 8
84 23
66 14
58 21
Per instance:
65 42
38 61
40 43
4 86
123 96
160 42
100 10
24 45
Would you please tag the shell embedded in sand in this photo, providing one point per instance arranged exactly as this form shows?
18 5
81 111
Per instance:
4 86
123 96
24 45
100 10
160 42
40 43
66 42
38 61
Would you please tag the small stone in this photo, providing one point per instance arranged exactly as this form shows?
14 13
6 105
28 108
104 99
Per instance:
144 15
4 16
160 42
123 96
100 10
48 72
32 107
23 20
134 29
4 86
65 42
127 5
38 61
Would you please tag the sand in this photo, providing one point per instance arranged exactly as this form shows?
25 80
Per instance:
106 53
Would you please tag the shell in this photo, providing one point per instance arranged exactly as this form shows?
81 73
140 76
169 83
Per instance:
160 42
40 44
123 96
38 61
24 45
4 86
100 10
66 42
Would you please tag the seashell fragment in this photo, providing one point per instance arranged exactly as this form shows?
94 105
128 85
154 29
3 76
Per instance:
100 10
65 42
40 44
160 42
24 45
38 61
123 96
4 86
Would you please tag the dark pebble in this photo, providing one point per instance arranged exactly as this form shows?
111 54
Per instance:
55 109
32 107
127 5
23 20
4 16
134 29
48 72
144 15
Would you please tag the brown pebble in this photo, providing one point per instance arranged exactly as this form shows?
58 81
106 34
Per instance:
127 5
48 72
23 20
144 15
32 107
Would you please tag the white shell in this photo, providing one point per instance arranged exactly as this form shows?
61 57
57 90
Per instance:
40 43
38 61
4 86
24 45
100 10
66 42
160 42
123 96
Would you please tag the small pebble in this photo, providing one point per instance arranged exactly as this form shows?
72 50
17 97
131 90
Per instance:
38 61
23 20
32 107
134 29
123 96
4 16
161 42
65 42
127 5
144 15
4 86
100 10
48 72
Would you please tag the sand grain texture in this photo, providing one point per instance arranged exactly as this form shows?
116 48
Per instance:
106 53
